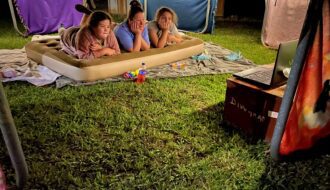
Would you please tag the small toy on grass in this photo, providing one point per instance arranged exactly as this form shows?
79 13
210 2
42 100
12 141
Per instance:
201 57
233 56
142 72
178 65
138 75
130 74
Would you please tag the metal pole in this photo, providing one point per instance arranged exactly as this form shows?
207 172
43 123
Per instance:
12 142
13 17
312 20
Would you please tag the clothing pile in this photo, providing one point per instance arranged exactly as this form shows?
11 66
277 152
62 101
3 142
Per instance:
14 66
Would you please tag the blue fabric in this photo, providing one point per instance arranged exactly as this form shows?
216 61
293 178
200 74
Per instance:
191 14
126 38
45 16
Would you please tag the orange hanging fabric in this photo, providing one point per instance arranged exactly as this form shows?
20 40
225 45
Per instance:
309 117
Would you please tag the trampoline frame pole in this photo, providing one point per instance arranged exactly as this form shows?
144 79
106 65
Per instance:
13 17
12 141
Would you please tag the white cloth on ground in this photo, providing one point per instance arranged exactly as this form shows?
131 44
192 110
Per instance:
22 69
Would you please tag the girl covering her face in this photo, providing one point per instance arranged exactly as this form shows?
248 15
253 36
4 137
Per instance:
133 34
162 30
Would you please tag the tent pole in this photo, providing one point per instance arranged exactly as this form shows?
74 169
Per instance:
13 17
12 142
307 35
288 97
207 16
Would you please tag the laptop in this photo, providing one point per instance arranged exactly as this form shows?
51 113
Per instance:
271 76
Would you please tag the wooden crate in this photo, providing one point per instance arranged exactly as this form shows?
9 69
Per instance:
251 108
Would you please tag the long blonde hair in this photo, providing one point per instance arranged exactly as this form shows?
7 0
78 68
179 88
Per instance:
162 10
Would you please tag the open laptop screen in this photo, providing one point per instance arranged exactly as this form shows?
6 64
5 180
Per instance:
284 59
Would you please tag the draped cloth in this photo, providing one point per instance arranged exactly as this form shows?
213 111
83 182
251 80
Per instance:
309 117
46 16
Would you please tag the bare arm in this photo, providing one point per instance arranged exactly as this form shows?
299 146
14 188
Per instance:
144 45
165 37
137 43
174 38
158 42
99 52
138 38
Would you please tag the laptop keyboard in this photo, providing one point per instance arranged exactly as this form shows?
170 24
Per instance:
264 76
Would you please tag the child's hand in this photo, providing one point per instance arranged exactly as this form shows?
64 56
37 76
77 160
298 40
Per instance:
104 52
141 27
170 38
95 46
109 51
164 25
136 28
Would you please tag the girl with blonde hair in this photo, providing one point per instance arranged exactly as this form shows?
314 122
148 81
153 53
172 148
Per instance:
163 30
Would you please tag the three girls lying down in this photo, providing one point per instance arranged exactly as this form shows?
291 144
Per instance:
95 37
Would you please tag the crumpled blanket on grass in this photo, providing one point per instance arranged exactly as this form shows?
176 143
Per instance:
15 63
217 64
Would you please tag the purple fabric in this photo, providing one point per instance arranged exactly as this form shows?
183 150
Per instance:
45 16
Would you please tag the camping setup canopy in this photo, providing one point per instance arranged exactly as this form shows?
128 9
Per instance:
195 16
283 21
45 16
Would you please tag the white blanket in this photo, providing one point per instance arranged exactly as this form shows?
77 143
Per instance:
15 66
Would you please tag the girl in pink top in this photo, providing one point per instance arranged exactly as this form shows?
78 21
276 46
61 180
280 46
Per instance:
93 40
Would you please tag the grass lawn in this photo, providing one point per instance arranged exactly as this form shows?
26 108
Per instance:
164 134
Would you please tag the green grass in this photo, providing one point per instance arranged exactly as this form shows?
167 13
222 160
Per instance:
164 134
233 37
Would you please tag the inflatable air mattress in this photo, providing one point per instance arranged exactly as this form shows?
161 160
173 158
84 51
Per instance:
48 53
